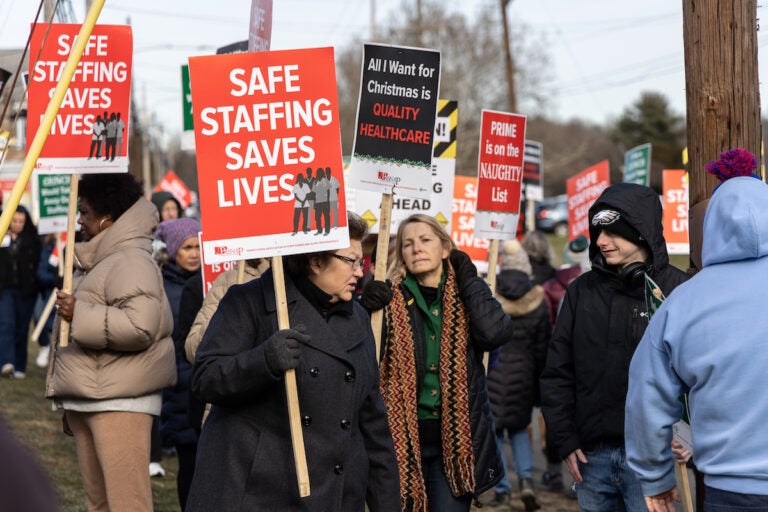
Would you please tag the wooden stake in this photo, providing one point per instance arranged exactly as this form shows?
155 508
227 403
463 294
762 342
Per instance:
382 253
69 254
291 390
684 487
44 316
36 146
493 256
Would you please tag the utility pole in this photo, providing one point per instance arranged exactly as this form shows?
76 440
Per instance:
508 62
419 23
528 204
48 10
722 94
372 21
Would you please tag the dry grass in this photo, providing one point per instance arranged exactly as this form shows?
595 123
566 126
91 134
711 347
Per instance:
29 416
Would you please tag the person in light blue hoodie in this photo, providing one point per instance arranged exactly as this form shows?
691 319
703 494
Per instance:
708 339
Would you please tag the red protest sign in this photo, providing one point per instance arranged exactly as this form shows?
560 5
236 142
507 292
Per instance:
268 153
500 174
463 222
675 219
173 184
90 132
211 271
582 191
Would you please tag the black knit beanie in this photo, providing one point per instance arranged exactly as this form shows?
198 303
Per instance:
614 222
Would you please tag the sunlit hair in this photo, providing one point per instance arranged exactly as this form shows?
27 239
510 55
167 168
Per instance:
298 264
397 268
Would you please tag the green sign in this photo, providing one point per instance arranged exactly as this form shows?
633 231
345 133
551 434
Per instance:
186 92
637 165
53 202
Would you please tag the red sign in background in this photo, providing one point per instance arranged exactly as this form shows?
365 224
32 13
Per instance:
500 166
582 191
463 221
675 183
101 86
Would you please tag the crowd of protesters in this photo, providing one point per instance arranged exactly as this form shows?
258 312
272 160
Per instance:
423 423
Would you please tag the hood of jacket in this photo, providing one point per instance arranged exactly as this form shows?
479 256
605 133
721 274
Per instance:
134 228
516 293
641 207
736 222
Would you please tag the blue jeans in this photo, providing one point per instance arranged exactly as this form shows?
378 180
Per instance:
609 484
716 500
439 496
522 453
15 314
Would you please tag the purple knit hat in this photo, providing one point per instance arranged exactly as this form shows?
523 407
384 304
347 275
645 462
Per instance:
174 232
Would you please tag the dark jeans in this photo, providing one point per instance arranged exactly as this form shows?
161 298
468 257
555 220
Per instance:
439 494
15 314
717 500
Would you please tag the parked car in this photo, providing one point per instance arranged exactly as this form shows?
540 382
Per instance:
552 215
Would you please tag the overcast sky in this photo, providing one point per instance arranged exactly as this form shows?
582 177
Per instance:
605 53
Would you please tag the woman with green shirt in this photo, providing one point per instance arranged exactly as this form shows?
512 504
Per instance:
440 320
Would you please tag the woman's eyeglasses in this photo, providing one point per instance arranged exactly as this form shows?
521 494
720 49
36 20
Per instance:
356 264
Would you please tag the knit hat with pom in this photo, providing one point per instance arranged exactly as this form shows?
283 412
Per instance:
514 257
174 232
732 163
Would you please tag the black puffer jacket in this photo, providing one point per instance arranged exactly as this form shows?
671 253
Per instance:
601 321
175 428
513 383
489 327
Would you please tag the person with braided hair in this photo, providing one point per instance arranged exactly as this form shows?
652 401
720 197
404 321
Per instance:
439 319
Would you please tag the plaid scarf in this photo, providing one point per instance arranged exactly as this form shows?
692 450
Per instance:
399 389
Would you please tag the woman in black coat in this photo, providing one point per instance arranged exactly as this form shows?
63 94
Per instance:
19 254
183 250
245 453
513 380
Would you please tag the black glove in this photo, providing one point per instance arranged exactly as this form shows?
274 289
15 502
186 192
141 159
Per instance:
463 267
376 295
282 349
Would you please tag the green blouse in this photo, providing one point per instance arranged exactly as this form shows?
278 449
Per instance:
429 399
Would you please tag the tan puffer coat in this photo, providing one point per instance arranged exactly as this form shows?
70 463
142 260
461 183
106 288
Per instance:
120 339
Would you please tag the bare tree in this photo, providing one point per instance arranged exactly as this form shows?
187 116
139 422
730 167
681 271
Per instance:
472 67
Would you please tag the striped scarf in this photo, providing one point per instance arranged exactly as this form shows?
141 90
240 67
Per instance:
399 389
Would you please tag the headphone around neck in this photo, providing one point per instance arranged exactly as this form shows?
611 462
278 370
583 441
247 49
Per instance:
633 274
